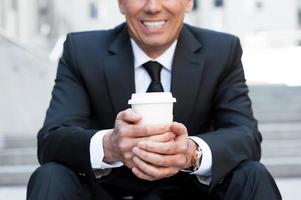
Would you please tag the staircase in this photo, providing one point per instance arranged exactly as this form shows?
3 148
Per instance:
281 148
277 108
26 81
17 159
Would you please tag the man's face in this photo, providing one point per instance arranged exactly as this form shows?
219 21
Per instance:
154 24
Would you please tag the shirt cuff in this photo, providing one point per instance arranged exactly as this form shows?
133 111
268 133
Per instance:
205 170
97 152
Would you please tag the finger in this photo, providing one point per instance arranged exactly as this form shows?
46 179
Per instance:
129 116
129 164
128 156
178 129
126 145
164 137
166 148
147 130
176 160
142 175
153 171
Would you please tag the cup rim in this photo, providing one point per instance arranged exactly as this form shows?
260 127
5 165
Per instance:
151 98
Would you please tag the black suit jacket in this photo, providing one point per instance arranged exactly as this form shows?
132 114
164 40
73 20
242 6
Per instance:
95 79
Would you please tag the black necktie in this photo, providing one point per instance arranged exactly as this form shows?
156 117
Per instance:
154 69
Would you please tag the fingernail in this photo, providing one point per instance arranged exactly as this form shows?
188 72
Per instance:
135 159
135 150
135 115
160 126
172 135
167 126
141 144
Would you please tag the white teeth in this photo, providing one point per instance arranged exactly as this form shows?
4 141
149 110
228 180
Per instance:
154 24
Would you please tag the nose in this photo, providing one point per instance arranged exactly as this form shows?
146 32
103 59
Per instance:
153 6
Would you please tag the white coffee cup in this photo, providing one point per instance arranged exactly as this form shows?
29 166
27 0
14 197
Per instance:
155 107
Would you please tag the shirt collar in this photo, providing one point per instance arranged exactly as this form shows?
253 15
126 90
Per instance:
165 59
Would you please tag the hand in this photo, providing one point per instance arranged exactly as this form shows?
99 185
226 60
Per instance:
156 160
127 132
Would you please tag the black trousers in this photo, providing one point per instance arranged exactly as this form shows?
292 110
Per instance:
250 180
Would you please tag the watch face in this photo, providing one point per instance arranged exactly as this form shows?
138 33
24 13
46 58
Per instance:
188 170
198 160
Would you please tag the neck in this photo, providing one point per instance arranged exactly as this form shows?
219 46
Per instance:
154 51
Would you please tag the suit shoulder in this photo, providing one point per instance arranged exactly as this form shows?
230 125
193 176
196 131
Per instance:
206 35
97 37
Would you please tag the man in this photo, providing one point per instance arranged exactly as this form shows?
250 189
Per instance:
93 147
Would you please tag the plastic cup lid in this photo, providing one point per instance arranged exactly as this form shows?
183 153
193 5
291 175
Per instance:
152 97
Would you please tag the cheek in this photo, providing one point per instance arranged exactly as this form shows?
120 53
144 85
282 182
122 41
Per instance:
189 6
133 7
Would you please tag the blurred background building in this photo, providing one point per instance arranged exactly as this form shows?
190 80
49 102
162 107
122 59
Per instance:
52 18
31 37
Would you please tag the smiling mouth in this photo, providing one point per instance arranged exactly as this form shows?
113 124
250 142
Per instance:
153 24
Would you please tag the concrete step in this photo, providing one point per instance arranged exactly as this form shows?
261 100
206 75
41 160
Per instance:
279 134
280 152
281 144
18 156
19 141
276 103
289 188
279 167
286 130
284 166
15 175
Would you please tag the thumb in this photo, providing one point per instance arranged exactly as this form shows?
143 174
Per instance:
129 116
178 129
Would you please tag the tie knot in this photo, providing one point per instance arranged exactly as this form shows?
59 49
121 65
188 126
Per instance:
154 70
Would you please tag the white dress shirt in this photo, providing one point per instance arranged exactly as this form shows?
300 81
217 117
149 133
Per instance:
142 81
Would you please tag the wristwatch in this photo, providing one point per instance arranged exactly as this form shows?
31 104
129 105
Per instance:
196 159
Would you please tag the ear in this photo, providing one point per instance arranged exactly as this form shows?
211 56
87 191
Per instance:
189 5
122 4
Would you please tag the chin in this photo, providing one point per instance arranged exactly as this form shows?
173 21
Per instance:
154 42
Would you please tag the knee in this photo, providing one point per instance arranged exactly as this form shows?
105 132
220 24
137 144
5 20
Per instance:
53 181
52 172
253 170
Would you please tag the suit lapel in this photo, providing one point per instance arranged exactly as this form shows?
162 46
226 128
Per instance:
187 71
119 71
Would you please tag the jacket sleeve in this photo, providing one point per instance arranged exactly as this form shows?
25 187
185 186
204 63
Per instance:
65 136
235 136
